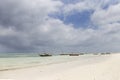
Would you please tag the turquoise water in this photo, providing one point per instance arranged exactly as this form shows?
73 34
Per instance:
16 61
21 61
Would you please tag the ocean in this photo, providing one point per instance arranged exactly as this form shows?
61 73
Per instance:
15 61
12 61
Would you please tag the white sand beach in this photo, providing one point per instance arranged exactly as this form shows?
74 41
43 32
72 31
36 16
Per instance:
105 67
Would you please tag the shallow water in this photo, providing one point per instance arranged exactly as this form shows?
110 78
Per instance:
8 62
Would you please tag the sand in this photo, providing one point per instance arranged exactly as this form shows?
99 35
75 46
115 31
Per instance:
96 68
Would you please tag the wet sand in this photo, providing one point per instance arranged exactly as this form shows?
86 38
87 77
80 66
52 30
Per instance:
105 67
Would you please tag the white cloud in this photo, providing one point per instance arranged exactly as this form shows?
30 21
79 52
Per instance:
76 7
88 5
109 16
26 26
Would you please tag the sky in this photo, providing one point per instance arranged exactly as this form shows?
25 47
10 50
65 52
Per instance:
59 26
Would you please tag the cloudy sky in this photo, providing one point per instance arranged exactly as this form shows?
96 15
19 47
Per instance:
60 25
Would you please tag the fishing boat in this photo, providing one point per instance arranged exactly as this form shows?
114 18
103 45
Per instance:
74 54
45 55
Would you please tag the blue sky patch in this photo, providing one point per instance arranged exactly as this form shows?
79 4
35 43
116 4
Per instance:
78 19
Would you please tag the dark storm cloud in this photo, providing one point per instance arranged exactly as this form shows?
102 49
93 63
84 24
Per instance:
23 18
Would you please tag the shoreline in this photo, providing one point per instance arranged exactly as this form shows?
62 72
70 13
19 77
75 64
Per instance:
37 65
100 68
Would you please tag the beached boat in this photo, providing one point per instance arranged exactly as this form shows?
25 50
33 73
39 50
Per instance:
64 54
45 55
74 54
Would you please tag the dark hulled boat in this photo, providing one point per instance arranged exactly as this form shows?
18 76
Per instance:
45 55
74 54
